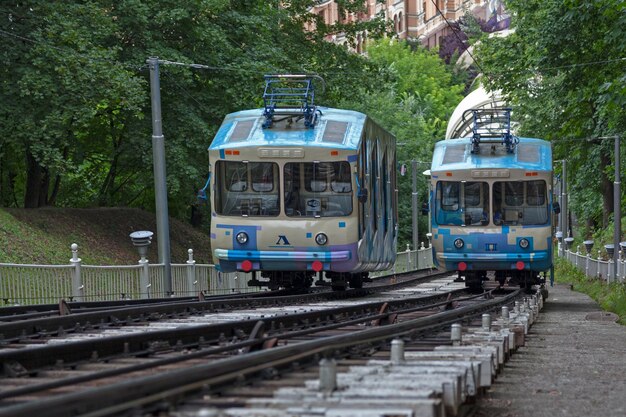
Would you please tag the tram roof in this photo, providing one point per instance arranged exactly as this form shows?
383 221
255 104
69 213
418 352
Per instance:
335 128
455 154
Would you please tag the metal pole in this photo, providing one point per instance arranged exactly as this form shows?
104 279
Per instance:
564 219
160 185
414 205
617 214
560 217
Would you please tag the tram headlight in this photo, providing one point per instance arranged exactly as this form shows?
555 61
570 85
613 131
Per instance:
523 243
458 243
242 238
321 239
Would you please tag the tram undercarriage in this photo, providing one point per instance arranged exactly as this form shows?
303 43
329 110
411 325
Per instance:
338 281
525 279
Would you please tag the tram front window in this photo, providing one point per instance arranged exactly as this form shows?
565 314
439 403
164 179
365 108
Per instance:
520 203
247 188
462 203
317 189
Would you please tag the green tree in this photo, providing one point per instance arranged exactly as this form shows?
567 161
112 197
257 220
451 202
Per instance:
53 81
417 98
76 99
563 70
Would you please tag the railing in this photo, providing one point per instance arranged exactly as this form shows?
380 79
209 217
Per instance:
38 284
596 268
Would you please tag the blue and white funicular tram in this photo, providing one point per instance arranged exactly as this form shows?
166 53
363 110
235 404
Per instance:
491 203
298 189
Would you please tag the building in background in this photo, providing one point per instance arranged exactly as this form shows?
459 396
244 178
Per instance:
424 21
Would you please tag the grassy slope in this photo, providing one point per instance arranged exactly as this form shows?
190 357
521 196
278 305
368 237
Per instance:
44 236
610 297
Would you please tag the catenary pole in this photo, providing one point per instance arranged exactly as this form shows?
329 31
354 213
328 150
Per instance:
617 214
160 185
414 205
564 217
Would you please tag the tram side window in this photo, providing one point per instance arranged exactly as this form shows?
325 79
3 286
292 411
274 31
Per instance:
246 189
447 203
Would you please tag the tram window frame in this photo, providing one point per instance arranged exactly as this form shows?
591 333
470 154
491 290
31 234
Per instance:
457 212
527 212
244 200
302 199
450 201
540 193
260 171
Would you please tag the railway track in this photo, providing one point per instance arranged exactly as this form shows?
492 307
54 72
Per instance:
64 308
21 326
64 376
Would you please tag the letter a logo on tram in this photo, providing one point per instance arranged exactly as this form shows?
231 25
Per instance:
282 238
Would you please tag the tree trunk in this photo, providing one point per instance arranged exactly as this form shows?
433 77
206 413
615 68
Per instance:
34 174
57 181
43 188
107 190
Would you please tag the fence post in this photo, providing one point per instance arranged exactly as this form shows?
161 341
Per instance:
408 257
144 278
191 273
77 282
587 264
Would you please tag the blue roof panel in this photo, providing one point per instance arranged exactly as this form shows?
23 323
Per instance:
454 154
283 134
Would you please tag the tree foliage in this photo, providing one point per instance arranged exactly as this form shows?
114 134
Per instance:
75 96
75 89
563 69
418 97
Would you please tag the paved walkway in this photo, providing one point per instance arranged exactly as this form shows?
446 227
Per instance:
570 366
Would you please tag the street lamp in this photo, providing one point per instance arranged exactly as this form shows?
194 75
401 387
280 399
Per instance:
141 240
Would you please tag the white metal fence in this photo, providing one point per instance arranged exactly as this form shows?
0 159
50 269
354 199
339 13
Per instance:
37 284
596 267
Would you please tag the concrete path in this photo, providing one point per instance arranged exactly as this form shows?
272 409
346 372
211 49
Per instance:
571 365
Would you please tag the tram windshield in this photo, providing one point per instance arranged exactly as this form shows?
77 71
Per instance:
520 203
462 203
514 203
317 189
247 188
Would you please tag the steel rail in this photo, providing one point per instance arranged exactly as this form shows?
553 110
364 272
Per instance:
13 313
25 361
247 345
113 399
15 331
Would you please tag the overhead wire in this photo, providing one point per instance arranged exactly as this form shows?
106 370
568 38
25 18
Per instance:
273 70
456 35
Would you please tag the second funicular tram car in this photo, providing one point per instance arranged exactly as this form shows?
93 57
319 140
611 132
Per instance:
298 190
491 204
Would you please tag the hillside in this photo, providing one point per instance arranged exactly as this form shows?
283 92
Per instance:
44 236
